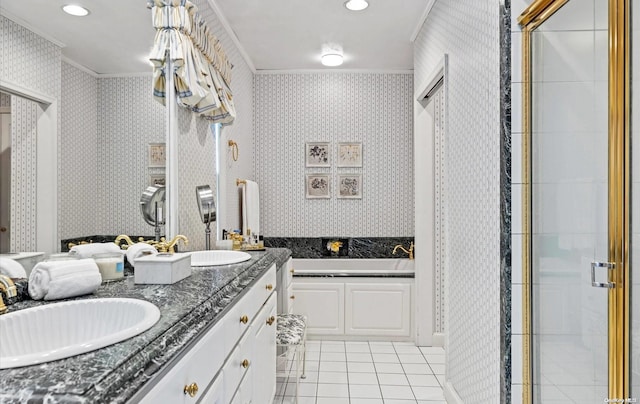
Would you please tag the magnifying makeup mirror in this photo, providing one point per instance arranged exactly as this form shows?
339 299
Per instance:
207 208
152 207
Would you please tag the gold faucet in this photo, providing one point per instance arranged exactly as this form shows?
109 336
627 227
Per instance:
9 289
400 247
126 238
163 246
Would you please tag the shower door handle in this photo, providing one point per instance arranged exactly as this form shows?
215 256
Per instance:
608 265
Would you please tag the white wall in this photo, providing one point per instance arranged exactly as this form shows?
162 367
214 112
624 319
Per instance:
469 32
375 109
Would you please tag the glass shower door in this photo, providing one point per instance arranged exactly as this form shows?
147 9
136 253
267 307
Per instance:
569 206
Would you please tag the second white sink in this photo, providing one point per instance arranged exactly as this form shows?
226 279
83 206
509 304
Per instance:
217 257
60 330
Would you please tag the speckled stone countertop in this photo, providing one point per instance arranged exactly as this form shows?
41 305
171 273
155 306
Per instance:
115 373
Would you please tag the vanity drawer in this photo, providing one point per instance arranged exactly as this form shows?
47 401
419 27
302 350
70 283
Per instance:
198 368
237 365
242 314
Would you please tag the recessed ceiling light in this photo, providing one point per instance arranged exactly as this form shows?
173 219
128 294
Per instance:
356 5
331 59
76 10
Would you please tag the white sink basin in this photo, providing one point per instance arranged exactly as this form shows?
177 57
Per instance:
217 257
60 330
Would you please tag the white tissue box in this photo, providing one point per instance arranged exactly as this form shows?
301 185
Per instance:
162 268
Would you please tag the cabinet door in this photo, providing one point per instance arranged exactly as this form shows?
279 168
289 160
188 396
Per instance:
264 353
323 304
378 309
215 392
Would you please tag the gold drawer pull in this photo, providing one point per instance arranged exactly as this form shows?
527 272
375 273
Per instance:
270 320
292 270
245 363
292 297
244 319
191 389
269 287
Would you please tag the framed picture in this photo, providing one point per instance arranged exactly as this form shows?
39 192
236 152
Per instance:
349 154
157 179
350 186
157 155
317 154
318 186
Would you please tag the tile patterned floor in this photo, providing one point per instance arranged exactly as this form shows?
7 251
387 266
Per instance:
373 372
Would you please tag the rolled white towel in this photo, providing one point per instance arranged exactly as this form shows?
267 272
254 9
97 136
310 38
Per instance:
12 268
138 250
87 250
51 280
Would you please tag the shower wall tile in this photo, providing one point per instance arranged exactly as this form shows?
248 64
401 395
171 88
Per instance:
469 32
78 183
375 109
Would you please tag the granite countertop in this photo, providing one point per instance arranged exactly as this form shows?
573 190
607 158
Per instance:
115 373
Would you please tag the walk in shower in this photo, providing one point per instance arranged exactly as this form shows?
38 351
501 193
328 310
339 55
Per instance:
578 177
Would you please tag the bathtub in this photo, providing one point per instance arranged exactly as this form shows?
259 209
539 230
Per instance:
356 267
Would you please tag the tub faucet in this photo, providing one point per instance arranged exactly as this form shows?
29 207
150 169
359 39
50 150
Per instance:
400 247
8 288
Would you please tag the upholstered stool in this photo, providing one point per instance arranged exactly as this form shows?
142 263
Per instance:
291 336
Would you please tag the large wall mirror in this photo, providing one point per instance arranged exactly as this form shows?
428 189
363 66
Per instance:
98 137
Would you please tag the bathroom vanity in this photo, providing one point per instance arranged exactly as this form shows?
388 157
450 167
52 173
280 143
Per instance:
215 342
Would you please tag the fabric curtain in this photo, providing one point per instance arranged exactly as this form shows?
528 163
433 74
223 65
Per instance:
201 69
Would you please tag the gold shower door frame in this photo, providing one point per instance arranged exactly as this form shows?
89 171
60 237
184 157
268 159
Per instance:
619 190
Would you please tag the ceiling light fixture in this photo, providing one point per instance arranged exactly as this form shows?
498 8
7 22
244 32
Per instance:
356 5
331 59
75 10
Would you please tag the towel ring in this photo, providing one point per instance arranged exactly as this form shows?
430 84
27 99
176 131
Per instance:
234 150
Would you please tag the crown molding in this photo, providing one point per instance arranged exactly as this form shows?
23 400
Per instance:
422 19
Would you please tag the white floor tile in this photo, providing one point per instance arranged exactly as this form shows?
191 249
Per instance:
385 358
333 366
313 346
428 393
432 350
437 368
393 379
423 380
311 377
364 391
333 377
435 358
332 356
360 347
363 378
333 390
407 349
312 356
332 400
379 343
359 357
366 401
306 390
389 368
417 369
430 402
440 379
402 343
411 358
301 400
382 348
397 392
332 348
312 366
393 401
361 367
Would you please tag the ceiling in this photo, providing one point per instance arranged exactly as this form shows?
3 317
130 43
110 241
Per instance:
115 38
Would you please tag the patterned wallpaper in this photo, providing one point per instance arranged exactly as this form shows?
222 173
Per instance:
78 183
27 60
128 119
469 32
375 109
439 211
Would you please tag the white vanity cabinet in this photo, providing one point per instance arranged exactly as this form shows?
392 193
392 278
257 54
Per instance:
234 362
286 298
356 307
